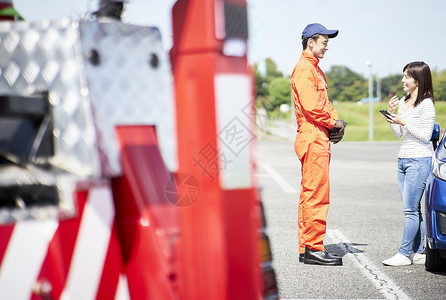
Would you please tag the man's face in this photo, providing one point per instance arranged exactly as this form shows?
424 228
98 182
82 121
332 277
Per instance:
319 47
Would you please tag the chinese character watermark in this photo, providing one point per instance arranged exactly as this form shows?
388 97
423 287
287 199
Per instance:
182 189
210 160
235 136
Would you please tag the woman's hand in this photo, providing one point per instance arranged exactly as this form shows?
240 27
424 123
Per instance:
393 104
394 119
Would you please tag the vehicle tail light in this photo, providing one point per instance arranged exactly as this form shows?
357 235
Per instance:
439 162
270 289
439 168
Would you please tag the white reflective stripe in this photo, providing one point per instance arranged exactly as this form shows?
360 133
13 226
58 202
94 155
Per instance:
24 256
379 279
234 130
122 292
91 246
279 179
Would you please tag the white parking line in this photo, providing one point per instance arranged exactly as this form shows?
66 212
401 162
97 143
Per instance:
380 280
279 179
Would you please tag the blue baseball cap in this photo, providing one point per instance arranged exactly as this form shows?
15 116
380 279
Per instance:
316 28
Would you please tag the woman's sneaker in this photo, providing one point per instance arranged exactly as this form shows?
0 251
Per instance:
418 258
398 260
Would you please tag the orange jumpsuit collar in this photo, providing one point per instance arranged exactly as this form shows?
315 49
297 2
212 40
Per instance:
313 60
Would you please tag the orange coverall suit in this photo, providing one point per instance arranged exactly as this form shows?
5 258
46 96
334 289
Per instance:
315 116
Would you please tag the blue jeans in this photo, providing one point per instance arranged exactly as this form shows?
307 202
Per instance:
412 176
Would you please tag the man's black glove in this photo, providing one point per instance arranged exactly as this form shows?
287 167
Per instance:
337 132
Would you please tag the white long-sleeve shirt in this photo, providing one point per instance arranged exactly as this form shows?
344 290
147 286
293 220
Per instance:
417 132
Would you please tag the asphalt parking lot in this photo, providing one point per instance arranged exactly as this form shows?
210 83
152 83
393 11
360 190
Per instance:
364 225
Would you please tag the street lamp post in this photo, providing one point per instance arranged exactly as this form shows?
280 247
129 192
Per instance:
369 64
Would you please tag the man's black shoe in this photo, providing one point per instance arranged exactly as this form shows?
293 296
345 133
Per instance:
301 257
321 258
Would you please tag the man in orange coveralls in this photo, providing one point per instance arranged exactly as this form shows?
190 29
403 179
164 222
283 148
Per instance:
318 124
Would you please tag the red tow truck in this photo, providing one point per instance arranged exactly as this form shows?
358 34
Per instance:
127 174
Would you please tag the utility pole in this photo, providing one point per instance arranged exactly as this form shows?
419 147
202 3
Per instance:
369 64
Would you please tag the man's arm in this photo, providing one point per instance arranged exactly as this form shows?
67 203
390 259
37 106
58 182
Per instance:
333 112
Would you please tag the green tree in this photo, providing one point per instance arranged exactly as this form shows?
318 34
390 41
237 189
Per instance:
354 92
279 92
391 85
271 70
262 84
345 85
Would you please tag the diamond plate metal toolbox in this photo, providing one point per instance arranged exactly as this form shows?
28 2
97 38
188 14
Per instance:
98 75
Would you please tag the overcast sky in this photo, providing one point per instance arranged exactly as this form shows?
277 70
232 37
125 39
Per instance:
389 33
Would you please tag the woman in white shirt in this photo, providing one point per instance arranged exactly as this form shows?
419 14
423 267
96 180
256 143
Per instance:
414 124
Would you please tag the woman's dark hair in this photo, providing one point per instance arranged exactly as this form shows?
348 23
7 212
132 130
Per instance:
421 73
305 41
